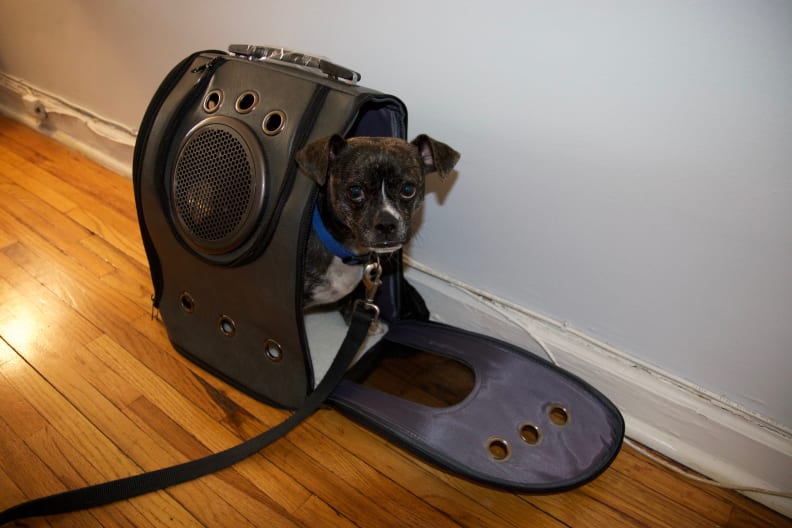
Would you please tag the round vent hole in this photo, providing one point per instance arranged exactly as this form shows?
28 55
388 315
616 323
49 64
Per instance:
227 326
530 434
246 102
186 302
274 122
558 414
212 101
498 449
273 350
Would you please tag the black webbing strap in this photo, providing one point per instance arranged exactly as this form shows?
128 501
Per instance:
128 487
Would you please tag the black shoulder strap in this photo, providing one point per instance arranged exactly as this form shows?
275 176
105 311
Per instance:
128 487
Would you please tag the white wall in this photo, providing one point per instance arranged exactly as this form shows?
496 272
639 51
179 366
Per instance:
627 166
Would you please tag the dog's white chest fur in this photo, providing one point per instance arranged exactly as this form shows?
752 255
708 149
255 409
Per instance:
339 280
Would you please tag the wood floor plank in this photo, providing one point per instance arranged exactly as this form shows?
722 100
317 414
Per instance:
350 469
315 512
107 461
148 342
129 277
181 412
91 388
400 467
196 499
6 239
69 423
75 418
684 493
117 229
75 471
43 223
32 305
49 189
714 502
95 184
13 495
576 508
75 286
643 504
276 492
353 503
32 476
22 418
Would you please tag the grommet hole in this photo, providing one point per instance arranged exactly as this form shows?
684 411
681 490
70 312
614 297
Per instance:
274 122
212 101
530 433
558 415
186 302
498 449
273 350
246 102
227 326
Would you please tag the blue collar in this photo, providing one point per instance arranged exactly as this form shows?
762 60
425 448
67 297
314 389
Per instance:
335 247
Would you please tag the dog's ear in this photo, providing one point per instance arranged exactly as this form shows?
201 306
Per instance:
436 156
315 158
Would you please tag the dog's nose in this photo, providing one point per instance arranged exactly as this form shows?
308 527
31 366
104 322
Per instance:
385 228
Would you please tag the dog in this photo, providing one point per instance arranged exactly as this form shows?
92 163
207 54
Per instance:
369 191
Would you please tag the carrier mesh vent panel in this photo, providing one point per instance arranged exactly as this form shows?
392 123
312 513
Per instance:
213 185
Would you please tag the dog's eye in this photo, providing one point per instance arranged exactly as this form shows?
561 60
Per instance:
356 194
408 191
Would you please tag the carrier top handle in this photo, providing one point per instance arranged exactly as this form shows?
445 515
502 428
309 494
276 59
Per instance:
331 69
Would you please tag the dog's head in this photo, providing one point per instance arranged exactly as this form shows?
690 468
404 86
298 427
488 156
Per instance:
373 186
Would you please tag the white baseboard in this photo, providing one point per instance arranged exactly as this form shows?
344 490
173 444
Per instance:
109 144
674 417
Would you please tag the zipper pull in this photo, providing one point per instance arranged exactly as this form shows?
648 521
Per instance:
206 66
207 69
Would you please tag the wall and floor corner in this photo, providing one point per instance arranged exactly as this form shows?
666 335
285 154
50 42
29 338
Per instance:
627 166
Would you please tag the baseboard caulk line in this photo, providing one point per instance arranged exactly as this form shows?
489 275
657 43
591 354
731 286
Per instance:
101 139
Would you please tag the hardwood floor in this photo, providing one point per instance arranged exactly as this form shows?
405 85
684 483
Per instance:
92 390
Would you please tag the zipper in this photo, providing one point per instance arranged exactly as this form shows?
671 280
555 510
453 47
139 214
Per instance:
144 132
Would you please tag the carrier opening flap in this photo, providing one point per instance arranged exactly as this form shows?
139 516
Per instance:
526 425
522 423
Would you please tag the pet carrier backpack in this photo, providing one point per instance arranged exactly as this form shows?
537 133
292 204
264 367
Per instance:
225 215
